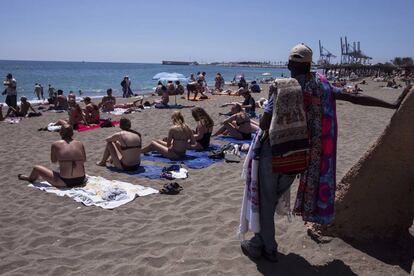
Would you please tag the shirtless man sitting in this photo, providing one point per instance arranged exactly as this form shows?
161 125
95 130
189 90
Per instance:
108 102
71 156
23 109
61 101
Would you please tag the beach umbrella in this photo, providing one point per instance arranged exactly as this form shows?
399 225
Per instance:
182 80
238 76
160 75
165 75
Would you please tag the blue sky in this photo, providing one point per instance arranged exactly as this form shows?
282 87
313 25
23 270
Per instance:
211 30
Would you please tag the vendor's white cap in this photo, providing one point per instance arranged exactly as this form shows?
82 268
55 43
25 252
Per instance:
301 53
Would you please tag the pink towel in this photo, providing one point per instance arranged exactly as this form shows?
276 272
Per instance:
83 127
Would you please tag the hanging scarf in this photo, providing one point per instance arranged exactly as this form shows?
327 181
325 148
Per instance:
316 192
288 128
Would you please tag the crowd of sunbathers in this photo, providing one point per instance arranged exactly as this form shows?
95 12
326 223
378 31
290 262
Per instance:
124 148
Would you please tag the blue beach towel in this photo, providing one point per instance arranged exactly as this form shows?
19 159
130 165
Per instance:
149 171
194 159
229 139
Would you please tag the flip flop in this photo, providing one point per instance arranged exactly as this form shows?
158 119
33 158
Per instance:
171 189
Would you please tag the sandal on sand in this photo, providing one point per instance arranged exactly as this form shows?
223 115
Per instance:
171 189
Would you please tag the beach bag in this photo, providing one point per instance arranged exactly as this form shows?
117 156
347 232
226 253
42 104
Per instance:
106 123
293 163
34 114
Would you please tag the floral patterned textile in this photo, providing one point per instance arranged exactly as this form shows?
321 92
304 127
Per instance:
316 192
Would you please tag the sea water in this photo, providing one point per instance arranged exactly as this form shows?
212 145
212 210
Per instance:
93 78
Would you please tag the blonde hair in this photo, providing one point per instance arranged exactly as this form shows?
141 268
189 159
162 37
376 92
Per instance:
178 119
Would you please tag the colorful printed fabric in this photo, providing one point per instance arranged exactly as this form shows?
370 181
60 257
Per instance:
316 192
288 131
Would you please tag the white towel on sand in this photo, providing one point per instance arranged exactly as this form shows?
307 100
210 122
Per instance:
99 191
250 210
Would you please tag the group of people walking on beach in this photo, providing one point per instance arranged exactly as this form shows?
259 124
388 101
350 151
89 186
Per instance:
298 126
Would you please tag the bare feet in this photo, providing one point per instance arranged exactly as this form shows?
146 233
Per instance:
101 164
24 177
318 233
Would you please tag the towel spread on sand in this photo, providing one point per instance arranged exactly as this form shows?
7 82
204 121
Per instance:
250 210
193 159
146 170
99 191
52 127
118 111
82 127
288 129
12 120
233 140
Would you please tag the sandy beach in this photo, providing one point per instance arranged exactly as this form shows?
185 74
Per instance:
193 233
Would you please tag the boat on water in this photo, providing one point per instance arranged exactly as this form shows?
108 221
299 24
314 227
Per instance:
171 62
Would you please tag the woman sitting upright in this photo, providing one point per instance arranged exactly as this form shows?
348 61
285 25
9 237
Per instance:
70 154
204 128
238 125
124 148
177 141
91 110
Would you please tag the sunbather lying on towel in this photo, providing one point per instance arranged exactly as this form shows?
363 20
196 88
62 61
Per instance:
134 104
237 125
180 138
71 156
124 148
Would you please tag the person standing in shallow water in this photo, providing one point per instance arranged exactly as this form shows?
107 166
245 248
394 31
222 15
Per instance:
126 87
316 192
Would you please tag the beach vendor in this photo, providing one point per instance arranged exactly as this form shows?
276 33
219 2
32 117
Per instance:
316 192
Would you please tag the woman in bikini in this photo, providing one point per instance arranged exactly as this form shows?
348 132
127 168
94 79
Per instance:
180 137
91 110
204 128
124 148
238 125
70 154
75 117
